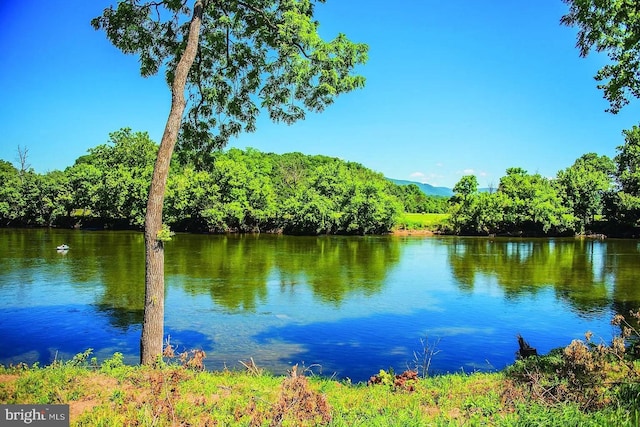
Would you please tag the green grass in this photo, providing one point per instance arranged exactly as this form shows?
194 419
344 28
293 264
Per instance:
422 221
81 213
117 395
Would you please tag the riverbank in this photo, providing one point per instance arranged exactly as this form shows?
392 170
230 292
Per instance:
114 394
413 232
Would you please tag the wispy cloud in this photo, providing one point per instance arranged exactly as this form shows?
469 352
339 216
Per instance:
471 171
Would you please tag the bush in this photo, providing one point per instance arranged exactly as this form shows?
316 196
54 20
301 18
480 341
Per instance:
590 375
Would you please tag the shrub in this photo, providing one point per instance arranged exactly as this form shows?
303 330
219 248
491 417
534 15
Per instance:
591 375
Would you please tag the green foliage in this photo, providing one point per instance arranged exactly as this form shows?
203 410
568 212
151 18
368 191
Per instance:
593 187
612 27
113 180
251 57
464 207
192 200
28 198
233 59
115 362
385 378
467 186
584 185
532 203
416 201
251 191
247 201
10 195
628 162
165 234
422 221
623 206
523 203
81 359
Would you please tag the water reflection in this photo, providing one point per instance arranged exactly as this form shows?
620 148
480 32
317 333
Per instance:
337 267
234 270
231 269
590 275
352 304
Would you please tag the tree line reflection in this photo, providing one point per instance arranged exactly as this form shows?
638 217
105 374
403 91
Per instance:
591 275
238 271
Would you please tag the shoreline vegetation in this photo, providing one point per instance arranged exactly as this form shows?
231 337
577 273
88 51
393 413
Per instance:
248 191
583 384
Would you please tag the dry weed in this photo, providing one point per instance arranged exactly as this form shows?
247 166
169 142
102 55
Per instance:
297 404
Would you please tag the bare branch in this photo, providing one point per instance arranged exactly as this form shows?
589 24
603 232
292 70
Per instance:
23 154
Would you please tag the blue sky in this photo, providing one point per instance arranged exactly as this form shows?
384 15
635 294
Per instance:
453 88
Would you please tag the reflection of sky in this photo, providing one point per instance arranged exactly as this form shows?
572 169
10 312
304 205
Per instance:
44 333
475 330
44 289
43 312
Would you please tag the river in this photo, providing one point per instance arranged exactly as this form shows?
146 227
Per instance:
340 306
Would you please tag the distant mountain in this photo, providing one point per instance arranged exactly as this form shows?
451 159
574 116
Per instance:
427 189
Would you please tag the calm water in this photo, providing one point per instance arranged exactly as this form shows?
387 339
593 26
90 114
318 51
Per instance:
348 305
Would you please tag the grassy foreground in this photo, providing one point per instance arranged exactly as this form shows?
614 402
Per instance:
113 394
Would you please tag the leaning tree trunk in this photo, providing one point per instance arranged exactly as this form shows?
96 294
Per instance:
153 324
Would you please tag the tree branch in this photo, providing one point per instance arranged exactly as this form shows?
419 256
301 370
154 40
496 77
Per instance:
273 26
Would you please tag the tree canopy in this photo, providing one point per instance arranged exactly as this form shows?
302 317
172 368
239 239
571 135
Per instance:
624 205
251 191
523 203
251 57
225 62
585 185
612 27
232 191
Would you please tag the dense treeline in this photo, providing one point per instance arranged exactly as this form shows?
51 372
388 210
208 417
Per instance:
246 191
594 195
251 191
416 201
